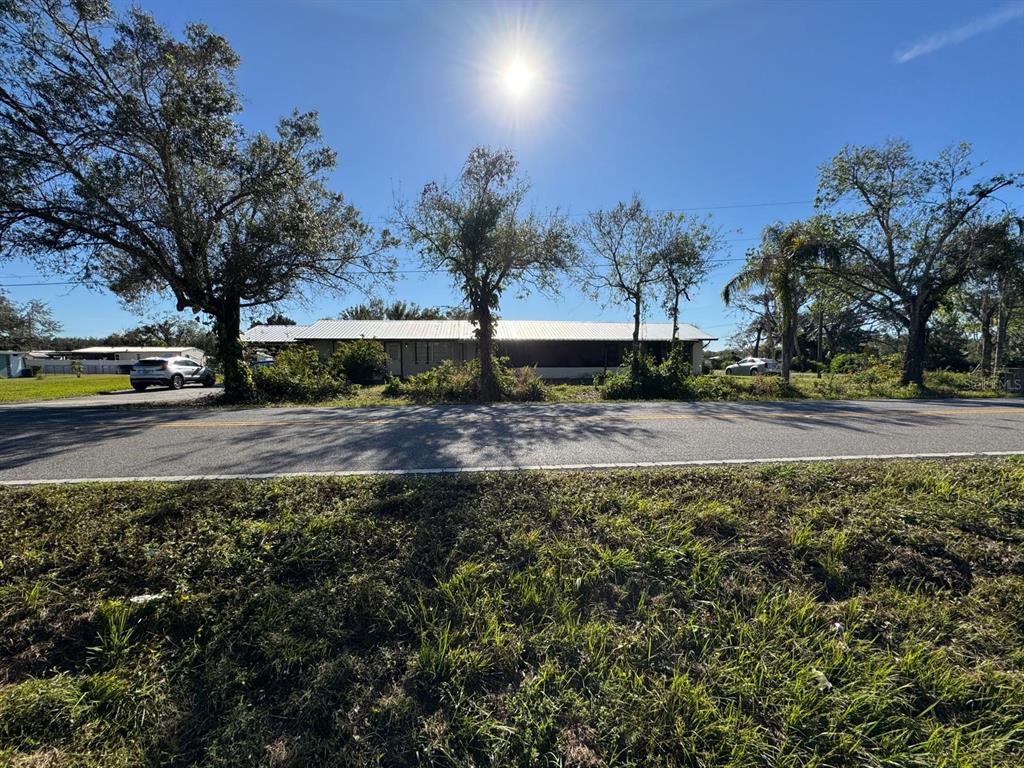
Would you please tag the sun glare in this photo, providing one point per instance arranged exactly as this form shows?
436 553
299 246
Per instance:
518 78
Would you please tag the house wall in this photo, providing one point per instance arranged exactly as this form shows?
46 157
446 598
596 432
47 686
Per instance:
553 359
696 357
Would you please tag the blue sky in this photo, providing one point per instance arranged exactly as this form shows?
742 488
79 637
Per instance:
722 107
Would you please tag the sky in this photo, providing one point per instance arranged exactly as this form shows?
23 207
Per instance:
723 108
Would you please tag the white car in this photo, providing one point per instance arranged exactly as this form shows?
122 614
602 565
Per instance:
752 366
173 372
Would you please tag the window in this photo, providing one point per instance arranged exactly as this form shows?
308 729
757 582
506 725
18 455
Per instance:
421 352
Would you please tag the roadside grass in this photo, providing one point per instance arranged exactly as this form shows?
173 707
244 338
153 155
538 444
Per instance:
57 386
858 614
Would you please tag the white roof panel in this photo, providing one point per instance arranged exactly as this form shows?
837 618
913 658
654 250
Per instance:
141 350
507 330
272 334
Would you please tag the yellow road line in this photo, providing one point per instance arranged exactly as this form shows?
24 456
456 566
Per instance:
597 417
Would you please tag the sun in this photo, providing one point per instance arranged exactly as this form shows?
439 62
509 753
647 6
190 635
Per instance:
518 79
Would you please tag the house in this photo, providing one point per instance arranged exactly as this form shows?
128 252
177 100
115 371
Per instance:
120 359
559 349
13 364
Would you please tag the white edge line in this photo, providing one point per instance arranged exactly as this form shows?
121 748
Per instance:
510 468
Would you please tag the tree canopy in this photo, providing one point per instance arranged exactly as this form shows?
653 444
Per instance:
122 159
477 232
378 309
25 326
908 231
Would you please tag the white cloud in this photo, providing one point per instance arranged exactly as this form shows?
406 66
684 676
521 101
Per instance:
957 35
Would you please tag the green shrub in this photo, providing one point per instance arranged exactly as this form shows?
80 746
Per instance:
460 383
526 386
849 362
671 380
393 387
362 361
298 376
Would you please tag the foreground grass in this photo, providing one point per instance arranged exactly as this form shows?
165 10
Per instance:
57 386
861 614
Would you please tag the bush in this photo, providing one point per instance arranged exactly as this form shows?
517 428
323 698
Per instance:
362 361
393 387
849 362
526 386
298 376
670 380
460 383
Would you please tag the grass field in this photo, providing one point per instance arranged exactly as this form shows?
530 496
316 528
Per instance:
861 614
57 386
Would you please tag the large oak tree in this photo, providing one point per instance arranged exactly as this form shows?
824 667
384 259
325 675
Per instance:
909 231
122 159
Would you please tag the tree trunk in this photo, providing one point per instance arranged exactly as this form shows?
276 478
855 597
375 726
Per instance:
986 339
238 385
675 323
1002 321
913 354
817 356
788 343
757 340
635 362
490 389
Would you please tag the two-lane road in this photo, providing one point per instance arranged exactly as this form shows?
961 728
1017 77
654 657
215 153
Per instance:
56 442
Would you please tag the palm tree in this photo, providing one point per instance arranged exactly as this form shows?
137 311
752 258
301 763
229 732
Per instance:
782 264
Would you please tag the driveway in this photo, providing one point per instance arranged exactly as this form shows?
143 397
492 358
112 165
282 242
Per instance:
55 442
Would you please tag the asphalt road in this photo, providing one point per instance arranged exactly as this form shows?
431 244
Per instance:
49 442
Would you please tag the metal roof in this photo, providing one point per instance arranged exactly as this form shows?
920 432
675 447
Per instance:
272 334
506 330
109 350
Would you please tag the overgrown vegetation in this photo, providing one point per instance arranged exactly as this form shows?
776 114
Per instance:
839 615
298 375
871 378
452 382
361 361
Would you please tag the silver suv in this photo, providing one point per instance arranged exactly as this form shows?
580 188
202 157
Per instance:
173 372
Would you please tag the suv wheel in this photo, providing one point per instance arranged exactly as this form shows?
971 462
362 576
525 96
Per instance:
139 387
177 381
753 371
